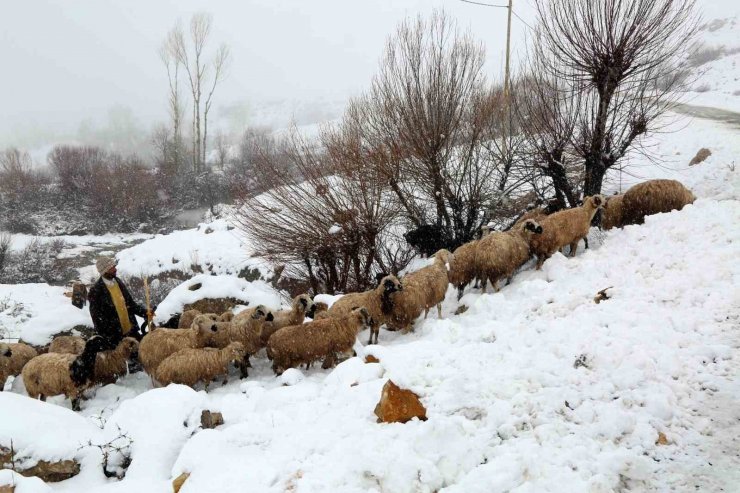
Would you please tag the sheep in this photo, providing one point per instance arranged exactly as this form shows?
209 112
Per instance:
109 365
317 308
13 357
56 373
562 228
462 266
67 345
428 239
187 317
379 303
301 305
160 343
422 290
298 344
246 328
652 197
611 214
501 253
190 366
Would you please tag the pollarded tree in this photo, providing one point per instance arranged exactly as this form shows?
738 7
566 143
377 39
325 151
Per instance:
622 57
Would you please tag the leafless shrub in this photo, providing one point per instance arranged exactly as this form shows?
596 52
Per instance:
612 56
6 240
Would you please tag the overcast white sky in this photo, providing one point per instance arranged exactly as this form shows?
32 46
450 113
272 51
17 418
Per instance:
65 61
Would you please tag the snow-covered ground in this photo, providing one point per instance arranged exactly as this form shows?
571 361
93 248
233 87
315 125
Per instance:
509 407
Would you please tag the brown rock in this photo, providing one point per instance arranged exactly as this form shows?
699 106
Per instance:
179 481
701 155
461 309
50 472
371 359
7 488
662 439
209 419
213 305
398 405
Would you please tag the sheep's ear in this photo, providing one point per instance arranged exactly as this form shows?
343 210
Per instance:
597 200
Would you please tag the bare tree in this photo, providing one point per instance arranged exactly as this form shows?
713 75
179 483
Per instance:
223 148
424 122
203 75
168 54
622 56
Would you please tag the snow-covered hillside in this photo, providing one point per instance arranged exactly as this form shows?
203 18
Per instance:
536 388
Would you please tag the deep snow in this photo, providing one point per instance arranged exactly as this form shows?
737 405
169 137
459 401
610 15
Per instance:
509 409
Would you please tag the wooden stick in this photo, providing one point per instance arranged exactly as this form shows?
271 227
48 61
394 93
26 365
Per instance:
148 304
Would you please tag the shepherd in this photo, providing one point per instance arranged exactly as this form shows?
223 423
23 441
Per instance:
112 307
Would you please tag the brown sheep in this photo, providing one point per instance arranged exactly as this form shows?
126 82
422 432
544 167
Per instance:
190 366
67 345
301 305
317 308
501 253
321 339
379 303
652 197
187 317
611 214
246 328
54 373
563 228
13 357
422 290
109 365
160 343
462 266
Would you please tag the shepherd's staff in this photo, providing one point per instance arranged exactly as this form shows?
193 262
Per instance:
149 314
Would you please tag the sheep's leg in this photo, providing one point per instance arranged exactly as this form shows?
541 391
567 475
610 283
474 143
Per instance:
376 329
243 365
42 398
75 403
485 285
574 247
540 260
494 283
329 361
439 310
460 290
426 312
585 240
509 279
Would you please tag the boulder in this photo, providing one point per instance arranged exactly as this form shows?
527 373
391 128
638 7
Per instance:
371 359
47 471
210 419
398 405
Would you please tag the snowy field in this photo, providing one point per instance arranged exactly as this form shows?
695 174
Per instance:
653 403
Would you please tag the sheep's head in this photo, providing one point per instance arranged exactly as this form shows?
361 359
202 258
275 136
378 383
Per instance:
595 201
532 226
205 323
235 351
317 307
304 303
262 313
130 346
390 284
362 316
5 350
443 255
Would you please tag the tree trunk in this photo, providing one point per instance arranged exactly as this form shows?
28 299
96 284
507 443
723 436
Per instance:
594 178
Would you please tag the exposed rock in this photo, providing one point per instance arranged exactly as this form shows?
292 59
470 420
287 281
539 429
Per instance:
8 488
371 359
398 405
701 155
662 439
461 309
49 472
210 419
179 481
213 305
602 296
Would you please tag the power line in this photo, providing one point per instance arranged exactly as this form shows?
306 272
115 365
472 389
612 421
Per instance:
485 4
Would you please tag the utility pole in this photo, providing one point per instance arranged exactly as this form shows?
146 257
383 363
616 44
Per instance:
508 51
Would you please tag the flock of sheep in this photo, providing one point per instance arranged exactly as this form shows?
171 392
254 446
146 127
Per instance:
205 345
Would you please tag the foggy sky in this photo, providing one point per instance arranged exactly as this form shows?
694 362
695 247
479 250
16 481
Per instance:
69 61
